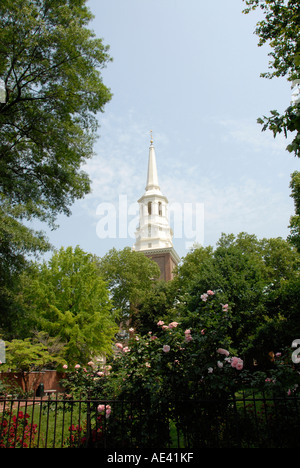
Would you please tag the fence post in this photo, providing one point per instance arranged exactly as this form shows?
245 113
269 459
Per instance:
88 421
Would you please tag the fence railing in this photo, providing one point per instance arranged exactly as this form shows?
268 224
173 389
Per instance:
241 421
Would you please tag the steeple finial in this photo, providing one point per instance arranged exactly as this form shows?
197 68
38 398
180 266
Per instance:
151 140
152 178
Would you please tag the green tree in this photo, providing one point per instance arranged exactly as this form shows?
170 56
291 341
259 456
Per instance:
50 62
294 236
26 357
258 279
16 243
67 299
280 28
158 302
129 275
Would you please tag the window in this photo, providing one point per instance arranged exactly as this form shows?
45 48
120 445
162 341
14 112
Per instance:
149 208
159 208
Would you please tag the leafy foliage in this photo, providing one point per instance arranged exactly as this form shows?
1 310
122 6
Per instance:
50 65
24 356
67 298
253 277
280 29
129 276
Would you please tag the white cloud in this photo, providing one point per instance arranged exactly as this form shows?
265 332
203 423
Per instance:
235 202
250 135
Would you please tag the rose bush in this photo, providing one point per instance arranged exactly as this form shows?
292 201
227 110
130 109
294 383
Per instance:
178 362
183 371
16 431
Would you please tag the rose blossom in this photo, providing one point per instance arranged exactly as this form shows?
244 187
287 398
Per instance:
166 348
223 351
106 408
173 324
237 363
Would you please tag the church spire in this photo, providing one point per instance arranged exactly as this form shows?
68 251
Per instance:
153 234
152 177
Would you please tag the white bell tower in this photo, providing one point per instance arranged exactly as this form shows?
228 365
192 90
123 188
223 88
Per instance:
154 235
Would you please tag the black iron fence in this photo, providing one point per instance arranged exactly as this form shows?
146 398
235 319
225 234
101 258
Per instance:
241 421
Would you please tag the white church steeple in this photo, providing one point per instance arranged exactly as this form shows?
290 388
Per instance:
154 235
154 231
152 177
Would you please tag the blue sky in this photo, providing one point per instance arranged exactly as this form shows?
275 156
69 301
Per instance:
189 71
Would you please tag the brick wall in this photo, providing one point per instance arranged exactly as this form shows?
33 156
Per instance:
50 379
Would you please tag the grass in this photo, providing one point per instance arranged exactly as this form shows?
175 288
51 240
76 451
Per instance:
53 420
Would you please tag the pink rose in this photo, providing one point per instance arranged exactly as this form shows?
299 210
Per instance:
223 351
166 348
119 345
173 324
210 293
237 363
108 411
160 323
106 408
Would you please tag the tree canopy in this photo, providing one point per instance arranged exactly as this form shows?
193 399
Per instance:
50 67
68 299
50 63
280 29
257 281
129 275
